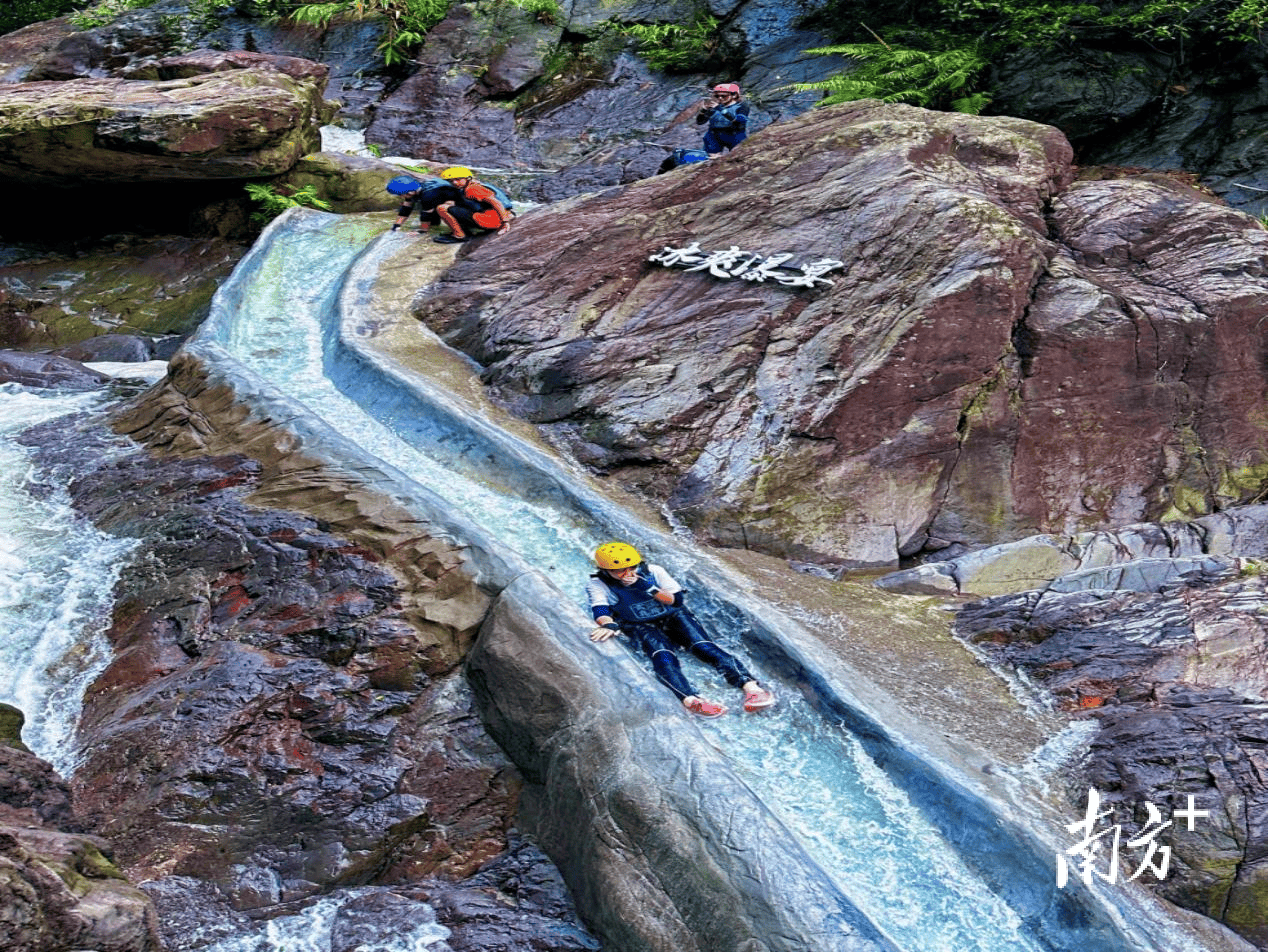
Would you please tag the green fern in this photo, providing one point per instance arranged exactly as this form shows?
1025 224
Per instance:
406 21
676 47
936 79
272 203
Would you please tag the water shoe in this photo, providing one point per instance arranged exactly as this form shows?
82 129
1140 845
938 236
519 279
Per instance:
758 700
698 705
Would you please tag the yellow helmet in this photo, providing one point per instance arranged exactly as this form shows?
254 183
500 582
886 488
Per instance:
456 171
614 556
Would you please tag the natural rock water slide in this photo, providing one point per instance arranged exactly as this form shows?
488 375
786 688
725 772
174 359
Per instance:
823 826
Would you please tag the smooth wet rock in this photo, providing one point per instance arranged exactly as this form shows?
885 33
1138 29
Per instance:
120 348
48 372
635 811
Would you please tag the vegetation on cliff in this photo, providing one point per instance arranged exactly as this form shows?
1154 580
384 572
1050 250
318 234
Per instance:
948 67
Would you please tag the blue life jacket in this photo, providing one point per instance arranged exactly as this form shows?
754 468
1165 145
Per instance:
630 606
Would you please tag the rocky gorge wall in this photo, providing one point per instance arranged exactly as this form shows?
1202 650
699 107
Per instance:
1002 351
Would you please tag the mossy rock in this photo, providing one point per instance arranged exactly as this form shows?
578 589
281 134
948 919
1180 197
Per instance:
11 721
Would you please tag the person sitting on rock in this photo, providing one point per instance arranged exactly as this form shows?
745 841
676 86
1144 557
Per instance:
727 116
644 603
423 196
477 210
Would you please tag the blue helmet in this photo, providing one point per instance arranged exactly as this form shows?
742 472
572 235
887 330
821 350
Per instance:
403 185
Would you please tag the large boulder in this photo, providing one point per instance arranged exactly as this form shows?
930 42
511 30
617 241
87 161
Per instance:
971 372
48 372
1145 109
235 124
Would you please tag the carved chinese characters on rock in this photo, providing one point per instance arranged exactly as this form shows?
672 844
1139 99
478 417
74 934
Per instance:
783 268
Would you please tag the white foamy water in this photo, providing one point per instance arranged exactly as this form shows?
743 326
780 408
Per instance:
57 572
314 930
148 371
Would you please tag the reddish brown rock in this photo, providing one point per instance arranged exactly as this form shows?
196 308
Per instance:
1001 353
199 62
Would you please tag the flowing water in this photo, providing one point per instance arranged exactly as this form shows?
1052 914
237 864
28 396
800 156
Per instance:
850 815
56 576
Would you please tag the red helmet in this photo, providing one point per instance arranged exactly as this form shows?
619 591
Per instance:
727 88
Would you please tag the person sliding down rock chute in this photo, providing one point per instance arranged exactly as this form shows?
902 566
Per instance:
478 209
645 604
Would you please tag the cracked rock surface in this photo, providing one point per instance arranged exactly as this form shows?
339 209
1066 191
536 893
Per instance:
1005 351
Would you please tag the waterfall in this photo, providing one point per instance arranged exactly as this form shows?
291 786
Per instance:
57 573
280 318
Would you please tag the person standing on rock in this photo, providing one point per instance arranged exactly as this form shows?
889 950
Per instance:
727 116
644 603
477 209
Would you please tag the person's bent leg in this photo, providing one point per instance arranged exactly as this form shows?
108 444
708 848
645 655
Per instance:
692 634
660 651
687 630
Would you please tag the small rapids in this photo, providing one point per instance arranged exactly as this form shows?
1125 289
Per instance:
56 576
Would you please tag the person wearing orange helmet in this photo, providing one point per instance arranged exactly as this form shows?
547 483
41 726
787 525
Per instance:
478 210
645 604
727 116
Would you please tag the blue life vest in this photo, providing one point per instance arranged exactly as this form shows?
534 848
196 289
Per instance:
630 606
